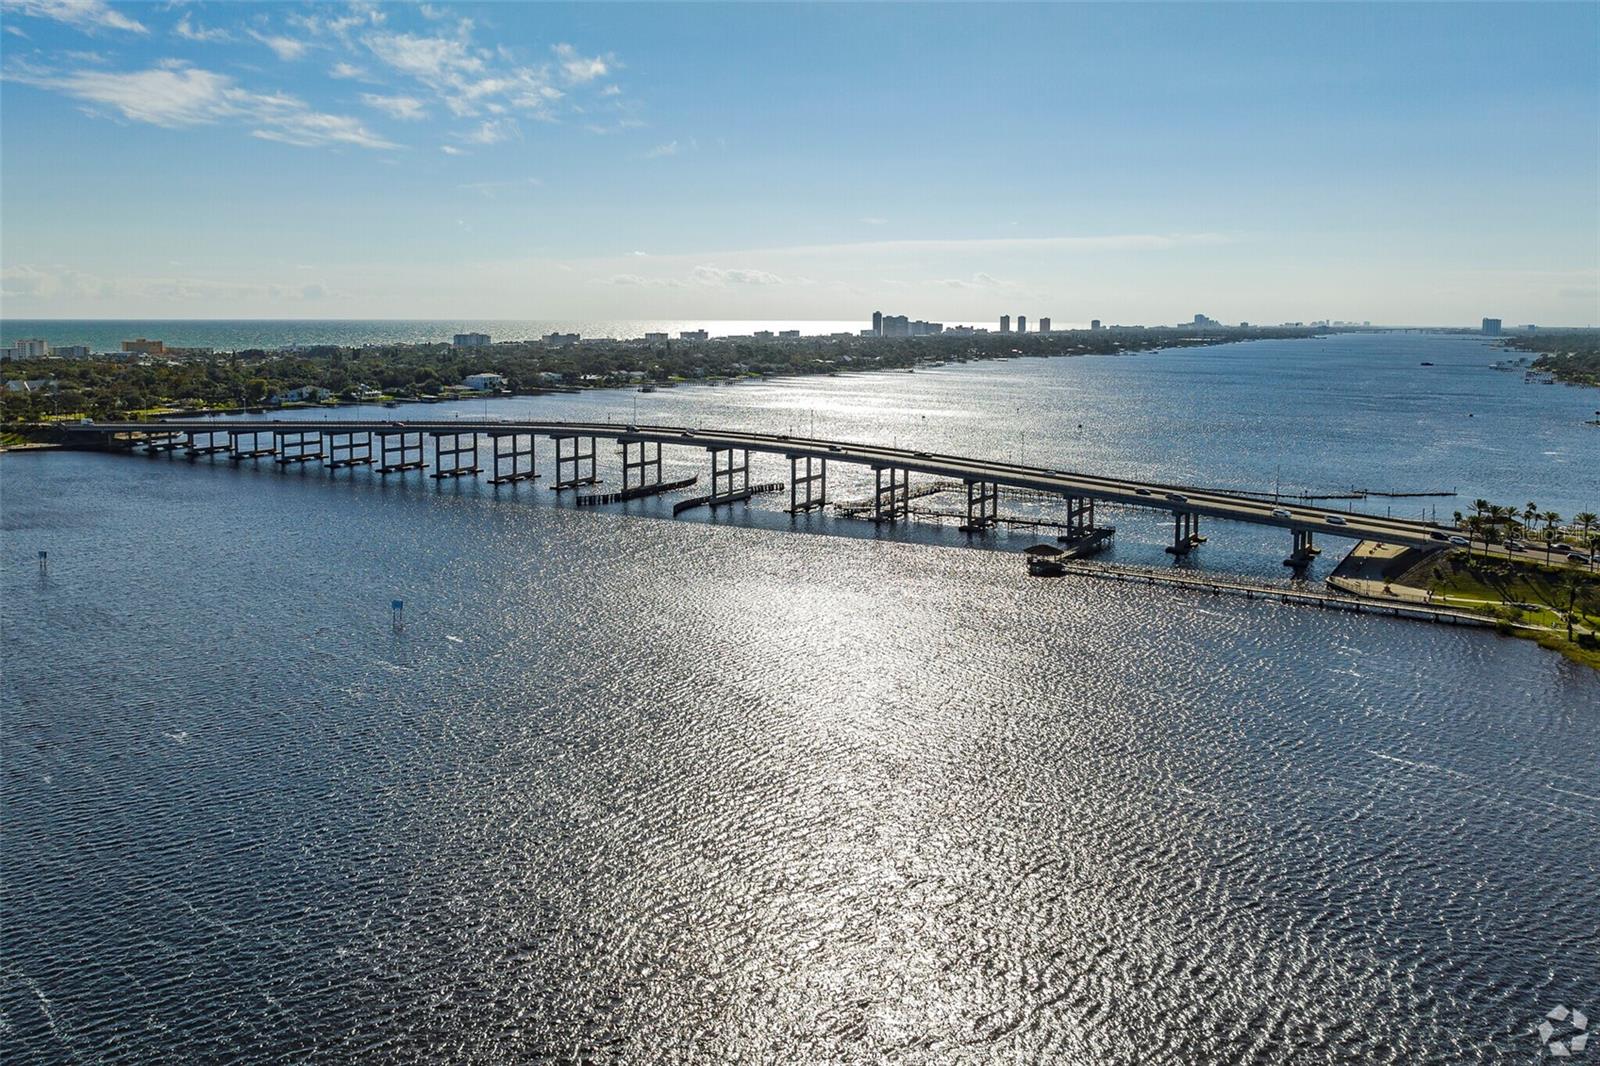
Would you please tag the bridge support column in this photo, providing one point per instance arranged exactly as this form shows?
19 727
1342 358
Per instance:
983 506
1182 533
1305 548
576 461
298 447
404 455
815 484
348 448
508 462
160 442
1080 516
898 492
729 475
254 451
458 467
210 447
640 463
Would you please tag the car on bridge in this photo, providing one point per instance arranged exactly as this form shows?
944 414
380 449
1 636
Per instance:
1336 520
1281 512
1177 497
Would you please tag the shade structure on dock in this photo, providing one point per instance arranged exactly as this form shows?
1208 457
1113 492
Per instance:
1042 551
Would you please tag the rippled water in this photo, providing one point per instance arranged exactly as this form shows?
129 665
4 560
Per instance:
629 789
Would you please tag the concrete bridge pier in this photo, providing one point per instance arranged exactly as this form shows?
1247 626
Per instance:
255 450
815 484
730 476
1305 548
1184 535
898 492
352 448
509 462
576 461
404 455
983 506
641 463
210 447
160 442
298 447
1080 516
455 451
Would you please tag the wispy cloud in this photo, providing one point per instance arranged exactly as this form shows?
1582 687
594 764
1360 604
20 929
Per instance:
578 69
175 95
639 281
873 220
1121 242
450 149
407 108
980 280
491 132
719 277
86 15
190 31
662 150
348 71
286 48
491 188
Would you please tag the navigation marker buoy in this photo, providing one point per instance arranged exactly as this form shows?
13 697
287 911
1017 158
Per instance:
398 607
44 560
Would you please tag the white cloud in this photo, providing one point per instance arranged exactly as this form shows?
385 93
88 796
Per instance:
429 58
176 95
641 282
191 32
874 220
578 69
716 276
980 280
86 15
661 150
408 108
492 132
450 149
286 48
346 70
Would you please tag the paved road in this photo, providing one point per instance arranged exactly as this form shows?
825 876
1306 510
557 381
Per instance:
1211 503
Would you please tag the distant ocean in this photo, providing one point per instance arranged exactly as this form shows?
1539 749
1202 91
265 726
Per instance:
236 334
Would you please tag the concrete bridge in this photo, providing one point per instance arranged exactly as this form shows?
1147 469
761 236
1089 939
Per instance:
395 446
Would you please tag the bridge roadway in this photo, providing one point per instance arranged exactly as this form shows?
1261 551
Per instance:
1178 499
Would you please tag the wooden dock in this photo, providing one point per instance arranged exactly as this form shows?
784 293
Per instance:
636 493
727 497
1302 597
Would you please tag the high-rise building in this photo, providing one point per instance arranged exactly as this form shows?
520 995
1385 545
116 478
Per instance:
30 348
877 323
143 346
1005 323
896 326
1044 325
1095 324
1491 327
470 340
1022 323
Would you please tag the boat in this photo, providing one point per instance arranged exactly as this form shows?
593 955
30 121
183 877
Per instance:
1425 363
390 403
647 388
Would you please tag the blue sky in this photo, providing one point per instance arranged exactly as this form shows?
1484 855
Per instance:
1134 163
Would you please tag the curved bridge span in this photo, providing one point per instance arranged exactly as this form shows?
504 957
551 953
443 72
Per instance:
350 442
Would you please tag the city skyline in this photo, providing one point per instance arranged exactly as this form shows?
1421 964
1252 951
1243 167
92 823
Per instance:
1406 165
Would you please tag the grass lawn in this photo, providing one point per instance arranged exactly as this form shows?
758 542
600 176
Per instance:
1518 591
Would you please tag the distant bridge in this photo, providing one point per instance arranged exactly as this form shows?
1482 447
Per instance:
395 446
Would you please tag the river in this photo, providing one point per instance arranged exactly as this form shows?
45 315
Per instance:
741 788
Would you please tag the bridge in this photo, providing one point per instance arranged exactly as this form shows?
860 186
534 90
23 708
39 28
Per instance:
396 446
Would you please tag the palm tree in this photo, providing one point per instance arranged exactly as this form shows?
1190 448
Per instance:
1530 513
1550 519
1594 548
1586 522
1500 518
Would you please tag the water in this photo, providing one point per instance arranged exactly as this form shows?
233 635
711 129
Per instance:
226 335
632 789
